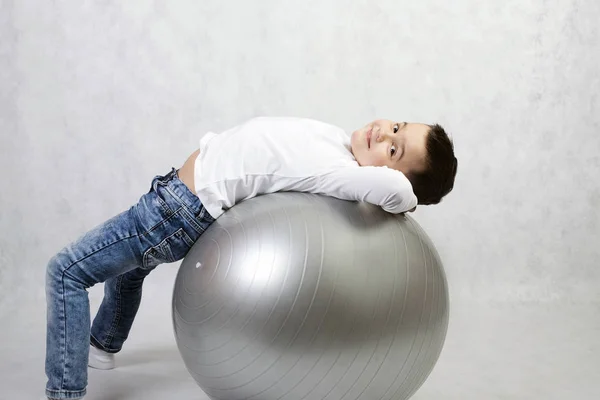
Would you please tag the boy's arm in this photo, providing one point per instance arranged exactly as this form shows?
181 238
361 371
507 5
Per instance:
381 186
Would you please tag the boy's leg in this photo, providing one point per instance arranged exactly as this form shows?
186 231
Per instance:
108 250
123 294
122 298
161 227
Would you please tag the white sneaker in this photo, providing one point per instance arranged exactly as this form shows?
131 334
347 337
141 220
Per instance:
99 359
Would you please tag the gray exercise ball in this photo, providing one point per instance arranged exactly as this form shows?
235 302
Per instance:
300 296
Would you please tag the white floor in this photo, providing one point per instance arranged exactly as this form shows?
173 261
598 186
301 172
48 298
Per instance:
502 351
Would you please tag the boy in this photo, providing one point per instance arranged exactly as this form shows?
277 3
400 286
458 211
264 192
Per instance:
395 165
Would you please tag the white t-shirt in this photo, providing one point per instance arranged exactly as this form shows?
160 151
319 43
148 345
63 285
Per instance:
267 155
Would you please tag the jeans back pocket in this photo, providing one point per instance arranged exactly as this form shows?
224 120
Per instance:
171 249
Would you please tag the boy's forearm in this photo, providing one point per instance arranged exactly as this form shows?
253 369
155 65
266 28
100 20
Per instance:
381 186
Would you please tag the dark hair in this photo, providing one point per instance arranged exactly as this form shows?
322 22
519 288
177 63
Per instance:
437 180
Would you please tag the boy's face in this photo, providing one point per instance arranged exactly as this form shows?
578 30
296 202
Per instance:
397 145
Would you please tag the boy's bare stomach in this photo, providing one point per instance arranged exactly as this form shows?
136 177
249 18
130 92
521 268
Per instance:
186 172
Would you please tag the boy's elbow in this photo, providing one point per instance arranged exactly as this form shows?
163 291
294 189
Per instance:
393 205
397 204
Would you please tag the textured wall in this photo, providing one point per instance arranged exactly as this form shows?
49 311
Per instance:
97 97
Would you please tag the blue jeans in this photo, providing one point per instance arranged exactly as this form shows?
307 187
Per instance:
121 252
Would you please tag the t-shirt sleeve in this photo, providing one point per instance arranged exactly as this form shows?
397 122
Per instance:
381 186
205 139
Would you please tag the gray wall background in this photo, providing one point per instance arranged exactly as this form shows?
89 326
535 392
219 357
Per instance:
96 98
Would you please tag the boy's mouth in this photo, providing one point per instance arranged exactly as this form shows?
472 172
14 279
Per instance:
369 132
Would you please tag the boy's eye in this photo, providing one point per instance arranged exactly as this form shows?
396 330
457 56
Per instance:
393 150
396 127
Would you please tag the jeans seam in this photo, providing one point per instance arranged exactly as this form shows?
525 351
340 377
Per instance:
166 251
187 239
189 218
115 324
170 215
102 248
63 333
51 393
64 391
182 206
163 204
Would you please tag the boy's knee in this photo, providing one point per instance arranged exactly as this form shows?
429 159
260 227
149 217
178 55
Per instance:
57 270
54 269
64 267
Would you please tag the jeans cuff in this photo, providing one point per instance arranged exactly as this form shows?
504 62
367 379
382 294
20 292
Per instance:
65 394
94 342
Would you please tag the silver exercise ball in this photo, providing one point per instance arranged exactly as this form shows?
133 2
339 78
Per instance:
299 296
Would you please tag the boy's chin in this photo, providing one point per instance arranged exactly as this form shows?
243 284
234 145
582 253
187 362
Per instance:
356 156
361 161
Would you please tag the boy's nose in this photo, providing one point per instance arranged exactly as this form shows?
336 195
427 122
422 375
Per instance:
381 135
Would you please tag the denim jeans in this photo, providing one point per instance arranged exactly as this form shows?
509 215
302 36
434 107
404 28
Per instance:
121 252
